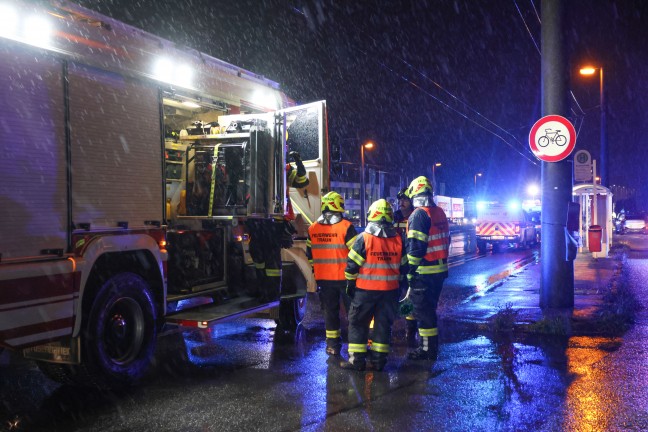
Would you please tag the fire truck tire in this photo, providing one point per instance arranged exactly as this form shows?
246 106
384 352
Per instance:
291 313
120 332
481 246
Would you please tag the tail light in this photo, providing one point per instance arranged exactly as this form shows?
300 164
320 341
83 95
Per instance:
517 228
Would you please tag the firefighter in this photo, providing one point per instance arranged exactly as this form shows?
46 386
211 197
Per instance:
373 274
428 244
327 248
268 236
400 223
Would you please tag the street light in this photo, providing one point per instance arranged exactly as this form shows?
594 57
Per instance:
434 165
368 145
476 175
533 190
590 70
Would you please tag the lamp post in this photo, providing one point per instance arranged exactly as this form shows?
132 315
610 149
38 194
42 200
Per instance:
434 165
368 145
590 70
476 175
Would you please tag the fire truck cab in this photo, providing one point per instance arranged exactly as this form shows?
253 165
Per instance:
132 169
502 225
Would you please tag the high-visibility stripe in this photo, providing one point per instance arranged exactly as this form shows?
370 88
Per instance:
273 272
333 334
356 257
350 276
438 236
358 348
301 179
382 266
418 235
378 347
413 260
308 242
259 265
301 212
428 332
328 246
432 269
329 261
435 248
349 244
410 318
379 277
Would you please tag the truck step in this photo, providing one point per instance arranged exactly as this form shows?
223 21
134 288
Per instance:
203 316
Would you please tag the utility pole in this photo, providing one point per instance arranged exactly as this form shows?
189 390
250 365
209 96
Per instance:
557 273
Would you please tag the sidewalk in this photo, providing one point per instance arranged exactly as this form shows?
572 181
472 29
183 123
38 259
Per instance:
519 294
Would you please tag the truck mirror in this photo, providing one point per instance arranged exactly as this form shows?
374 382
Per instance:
573 215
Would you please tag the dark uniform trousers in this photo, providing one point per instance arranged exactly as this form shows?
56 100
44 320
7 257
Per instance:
424 294
330 293
382 306
265 250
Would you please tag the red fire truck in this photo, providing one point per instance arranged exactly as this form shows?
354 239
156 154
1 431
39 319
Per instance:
131 167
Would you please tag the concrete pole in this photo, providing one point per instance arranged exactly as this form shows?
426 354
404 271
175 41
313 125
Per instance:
557 274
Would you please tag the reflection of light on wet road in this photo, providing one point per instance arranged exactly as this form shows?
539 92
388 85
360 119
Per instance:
591 404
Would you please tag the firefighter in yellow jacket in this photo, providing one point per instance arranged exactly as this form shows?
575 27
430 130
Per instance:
428 244
373 274
327 248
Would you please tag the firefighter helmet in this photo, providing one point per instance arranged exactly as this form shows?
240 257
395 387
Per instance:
420 185
402 194
380 211
333 202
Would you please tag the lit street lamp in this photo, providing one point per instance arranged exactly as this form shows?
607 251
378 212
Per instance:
476 175
604 151
434 165
533 190
368 145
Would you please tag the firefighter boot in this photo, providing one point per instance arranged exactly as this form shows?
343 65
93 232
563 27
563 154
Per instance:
410 332
377 361
427 350
333 346
357 361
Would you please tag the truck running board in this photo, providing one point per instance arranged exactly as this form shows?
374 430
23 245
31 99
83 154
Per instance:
203 316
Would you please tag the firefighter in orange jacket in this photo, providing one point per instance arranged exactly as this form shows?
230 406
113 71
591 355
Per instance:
373 274
327 248
428 244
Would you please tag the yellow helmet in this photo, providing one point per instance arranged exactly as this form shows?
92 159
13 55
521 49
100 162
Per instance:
379 211
333 202
419 185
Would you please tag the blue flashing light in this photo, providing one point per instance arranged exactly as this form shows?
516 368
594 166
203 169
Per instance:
513 205
481 205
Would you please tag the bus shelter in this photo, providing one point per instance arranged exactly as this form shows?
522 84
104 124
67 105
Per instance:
595 209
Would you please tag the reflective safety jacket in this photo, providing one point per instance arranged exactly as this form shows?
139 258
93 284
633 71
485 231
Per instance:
375 260
428 240
327 247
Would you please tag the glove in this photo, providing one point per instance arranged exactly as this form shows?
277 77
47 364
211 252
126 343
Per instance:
350 288
295 156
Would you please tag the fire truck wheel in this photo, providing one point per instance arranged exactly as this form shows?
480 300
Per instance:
481 246
291 313
120 333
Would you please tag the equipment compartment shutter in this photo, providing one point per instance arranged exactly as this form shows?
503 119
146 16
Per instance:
116 149
33 203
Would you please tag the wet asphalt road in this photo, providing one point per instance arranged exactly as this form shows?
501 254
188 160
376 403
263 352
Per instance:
241 376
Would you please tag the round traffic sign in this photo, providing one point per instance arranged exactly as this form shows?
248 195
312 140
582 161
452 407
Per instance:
552 138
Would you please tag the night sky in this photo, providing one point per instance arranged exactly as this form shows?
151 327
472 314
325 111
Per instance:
456 82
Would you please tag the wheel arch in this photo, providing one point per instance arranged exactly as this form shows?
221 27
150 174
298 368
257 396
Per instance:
111 255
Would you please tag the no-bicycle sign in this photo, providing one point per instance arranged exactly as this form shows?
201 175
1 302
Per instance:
552 138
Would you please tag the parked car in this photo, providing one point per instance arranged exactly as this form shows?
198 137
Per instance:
635 223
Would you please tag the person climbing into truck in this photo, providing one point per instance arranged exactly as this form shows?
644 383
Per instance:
269 236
